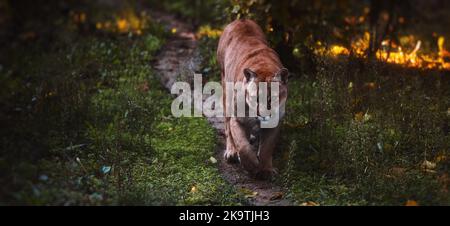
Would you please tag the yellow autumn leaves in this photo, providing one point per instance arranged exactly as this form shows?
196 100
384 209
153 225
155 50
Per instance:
362 117
207 31
128 22
125 22
390 52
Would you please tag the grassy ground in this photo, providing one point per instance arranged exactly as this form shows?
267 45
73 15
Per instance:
85 121
383 141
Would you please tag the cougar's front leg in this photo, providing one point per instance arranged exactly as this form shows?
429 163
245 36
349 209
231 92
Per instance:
230 154
247 155
267 142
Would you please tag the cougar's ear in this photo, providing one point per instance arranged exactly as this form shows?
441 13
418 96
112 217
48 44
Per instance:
283 74
249 74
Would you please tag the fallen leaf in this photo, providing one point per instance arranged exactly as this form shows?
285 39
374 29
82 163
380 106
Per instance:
362 117
350 85
411 203
73 147
276 195
213 160
96 197
310 203
430 171
43 177
367 117
359 116
252 195
380 146
427 165
105 169
441 158
248 193
370 85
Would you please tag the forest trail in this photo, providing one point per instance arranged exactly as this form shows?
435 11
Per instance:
179 56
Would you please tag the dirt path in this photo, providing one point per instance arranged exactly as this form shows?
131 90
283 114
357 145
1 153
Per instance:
180 58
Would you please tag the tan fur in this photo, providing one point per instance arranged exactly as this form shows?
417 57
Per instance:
243 45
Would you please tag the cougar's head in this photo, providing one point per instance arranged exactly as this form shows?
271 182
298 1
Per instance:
266 94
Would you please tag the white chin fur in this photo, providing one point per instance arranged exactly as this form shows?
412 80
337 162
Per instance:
264 119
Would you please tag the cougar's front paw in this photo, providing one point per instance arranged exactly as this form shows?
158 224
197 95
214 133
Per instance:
249 160
230 156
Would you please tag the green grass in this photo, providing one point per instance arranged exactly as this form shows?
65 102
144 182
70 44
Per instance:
86 122
366 146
